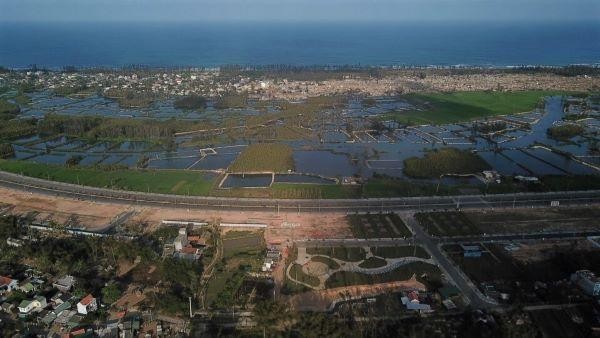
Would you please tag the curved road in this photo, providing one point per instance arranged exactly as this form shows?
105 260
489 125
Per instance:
36 185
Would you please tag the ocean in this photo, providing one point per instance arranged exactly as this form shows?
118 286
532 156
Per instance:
55 45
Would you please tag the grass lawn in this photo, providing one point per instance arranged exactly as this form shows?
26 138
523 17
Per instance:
440 108
156 181
314 191
444 161
350 254
242 242
398 187
299 275
400 251
275 157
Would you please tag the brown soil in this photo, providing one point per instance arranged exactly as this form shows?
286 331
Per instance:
282 227
321 300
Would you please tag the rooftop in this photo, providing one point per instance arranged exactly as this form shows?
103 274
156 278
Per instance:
87 299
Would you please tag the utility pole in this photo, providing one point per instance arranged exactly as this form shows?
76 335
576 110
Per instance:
190 299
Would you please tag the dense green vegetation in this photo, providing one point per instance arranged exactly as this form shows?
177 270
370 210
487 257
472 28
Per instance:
274 157
16 128
104 128
565 131
439 108
444 161
6 150
158 181
129 98
8 110
190 102
490 127
92 261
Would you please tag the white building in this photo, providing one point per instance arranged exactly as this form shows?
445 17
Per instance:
587 281
87 304
181 240
38 303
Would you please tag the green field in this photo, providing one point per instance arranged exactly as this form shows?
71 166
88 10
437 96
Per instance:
440 108
444 161
274 157
314 191
156 181
299 275
242 243
243 251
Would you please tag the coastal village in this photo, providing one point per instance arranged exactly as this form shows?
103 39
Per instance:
215 82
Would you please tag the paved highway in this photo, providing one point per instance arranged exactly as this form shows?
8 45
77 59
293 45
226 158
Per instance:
36 185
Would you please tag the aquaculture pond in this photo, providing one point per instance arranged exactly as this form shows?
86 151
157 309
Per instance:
344 142
247 181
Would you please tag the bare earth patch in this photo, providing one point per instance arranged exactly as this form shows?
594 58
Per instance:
322 300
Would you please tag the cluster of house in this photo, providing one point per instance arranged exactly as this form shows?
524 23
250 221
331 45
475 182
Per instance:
188 246
63 309
414 302
271 259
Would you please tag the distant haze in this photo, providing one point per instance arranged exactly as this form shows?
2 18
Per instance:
299 10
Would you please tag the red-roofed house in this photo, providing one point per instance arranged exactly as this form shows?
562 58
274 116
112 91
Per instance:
413 296
87 304
197 240
7 284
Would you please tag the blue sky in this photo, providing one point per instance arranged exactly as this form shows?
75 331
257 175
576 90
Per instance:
299 10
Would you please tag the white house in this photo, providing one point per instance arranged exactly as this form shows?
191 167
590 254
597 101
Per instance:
7 284
38 303
87 304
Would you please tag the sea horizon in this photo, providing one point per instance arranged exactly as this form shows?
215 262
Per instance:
385 44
